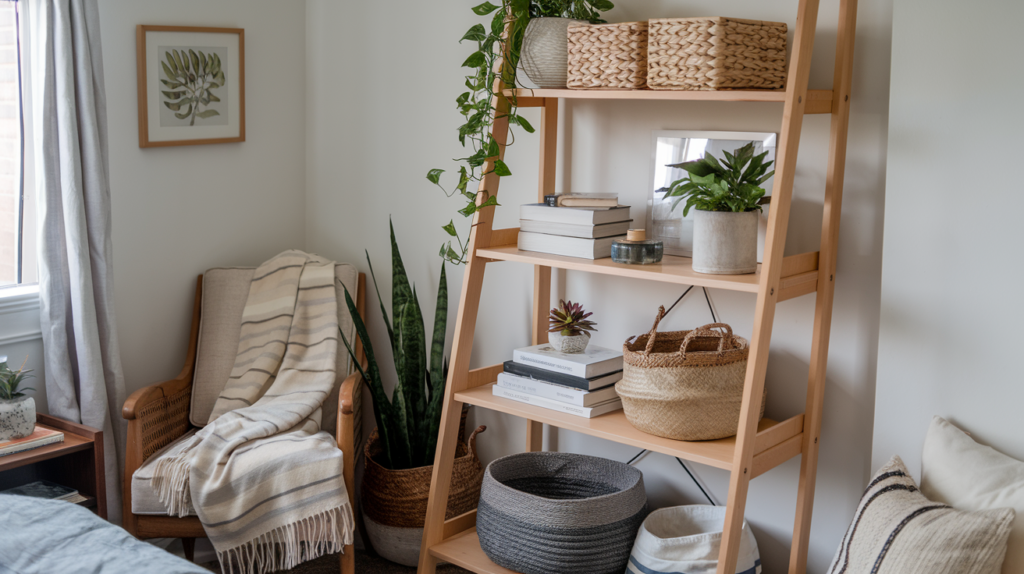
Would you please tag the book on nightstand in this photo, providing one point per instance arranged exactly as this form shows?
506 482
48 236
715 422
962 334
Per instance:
40 437
46 489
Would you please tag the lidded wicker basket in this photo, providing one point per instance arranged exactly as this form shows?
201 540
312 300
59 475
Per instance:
608 56
716 53
685 385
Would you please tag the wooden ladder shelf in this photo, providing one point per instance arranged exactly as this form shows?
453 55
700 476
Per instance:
759 445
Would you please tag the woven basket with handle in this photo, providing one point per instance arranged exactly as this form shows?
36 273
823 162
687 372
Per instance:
716 54
685 385
608 56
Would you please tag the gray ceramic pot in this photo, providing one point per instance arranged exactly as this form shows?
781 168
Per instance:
725 243
17 418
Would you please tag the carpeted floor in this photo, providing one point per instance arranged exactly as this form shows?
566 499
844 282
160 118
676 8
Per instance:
365 564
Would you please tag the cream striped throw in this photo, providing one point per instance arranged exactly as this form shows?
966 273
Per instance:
897 530
265 481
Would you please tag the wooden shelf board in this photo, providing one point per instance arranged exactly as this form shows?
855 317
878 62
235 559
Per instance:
818 101
464 550
797 278
72 443
614 426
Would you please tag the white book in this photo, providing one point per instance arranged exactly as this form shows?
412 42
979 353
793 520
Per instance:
577 215
567 246
586 412
554 392
592 362
586 231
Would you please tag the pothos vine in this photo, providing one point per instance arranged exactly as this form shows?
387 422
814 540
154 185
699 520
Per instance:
496 57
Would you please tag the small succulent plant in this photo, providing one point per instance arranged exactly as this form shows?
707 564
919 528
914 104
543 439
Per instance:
570 319
10 381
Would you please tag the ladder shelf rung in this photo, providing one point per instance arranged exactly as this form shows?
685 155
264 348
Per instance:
613 426
818 101
799 272
464 550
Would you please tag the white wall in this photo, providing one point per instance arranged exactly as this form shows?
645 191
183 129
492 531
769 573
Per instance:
382 79
951 308
180 210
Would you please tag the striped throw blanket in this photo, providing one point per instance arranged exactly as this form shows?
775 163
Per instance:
265 481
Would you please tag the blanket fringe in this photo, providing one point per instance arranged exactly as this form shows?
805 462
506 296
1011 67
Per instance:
170 478
287 546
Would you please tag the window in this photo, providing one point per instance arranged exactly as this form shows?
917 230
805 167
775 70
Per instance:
17 216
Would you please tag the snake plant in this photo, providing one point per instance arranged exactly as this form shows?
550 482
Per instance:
10 381
408 421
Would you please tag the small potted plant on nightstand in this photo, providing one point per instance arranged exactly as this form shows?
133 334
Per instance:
568 328
17 411
727 196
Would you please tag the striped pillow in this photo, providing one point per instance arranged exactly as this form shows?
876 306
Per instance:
897 530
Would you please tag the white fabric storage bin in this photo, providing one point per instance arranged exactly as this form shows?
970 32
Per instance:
687 539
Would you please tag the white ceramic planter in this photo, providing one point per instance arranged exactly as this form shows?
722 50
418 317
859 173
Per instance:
545 51
569 343
17 418
725 243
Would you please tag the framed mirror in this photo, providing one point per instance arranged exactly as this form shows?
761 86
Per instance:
677 146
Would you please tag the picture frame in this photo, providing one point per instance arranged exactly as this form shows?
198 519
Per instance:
676 146
177 105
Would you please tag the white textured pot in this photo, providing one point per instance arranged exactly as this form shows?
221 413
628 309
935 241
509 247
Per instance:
545 51
17 418
725 243
399 545
571 344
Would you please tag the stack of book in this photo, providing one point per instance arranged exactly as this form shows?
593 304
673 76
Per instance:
42 436
581 384
573 225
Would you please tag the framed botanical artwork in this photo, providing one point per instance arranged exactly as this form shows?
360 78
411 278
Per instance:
191 85
665 220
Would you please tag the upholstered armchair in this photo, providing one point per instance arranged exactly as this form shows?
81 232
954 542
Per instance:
161 415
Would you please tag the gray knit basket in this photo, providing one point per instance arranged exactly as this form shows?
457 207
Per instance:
560 513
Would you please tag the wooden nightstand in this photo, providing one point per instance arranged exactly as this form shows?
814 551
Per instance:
77 463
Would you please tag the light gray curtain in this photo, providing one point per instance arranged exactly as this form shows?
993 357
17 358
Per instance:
84 382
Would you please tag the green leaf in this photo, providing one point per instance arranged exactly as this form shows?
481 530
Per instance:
501 169
172 95
184 114
204 63
475 60
168 71
523 123
195 60
437 373
380 301
470 209
450 229
492 200
207 114
213 97
462 99
484 9
434 176
477 34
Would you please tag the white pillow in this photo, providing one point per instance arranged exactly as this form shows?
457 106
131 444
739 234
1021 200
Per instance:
960 472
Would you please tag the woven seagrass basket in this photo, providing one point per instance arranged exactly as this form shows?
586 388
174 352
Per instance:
556 512
716 54
608 56
685 385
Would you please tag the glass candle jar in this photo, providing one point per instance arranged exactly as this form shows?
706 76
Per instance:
636 249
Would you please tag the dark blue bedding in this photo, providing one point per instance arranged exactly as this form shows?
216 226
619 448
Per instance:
49 536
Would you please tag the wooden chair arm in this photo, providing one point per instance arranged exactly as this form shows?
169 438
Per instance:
143 397
349 388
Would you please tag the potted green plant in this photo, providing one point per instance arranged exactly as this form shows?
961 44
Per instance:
568 327
399 455
545 51
727 196
17 410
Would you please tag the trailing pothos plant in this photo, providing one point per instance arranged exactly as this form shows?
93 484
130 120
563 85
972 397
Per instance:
496 57
734 184
408 422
